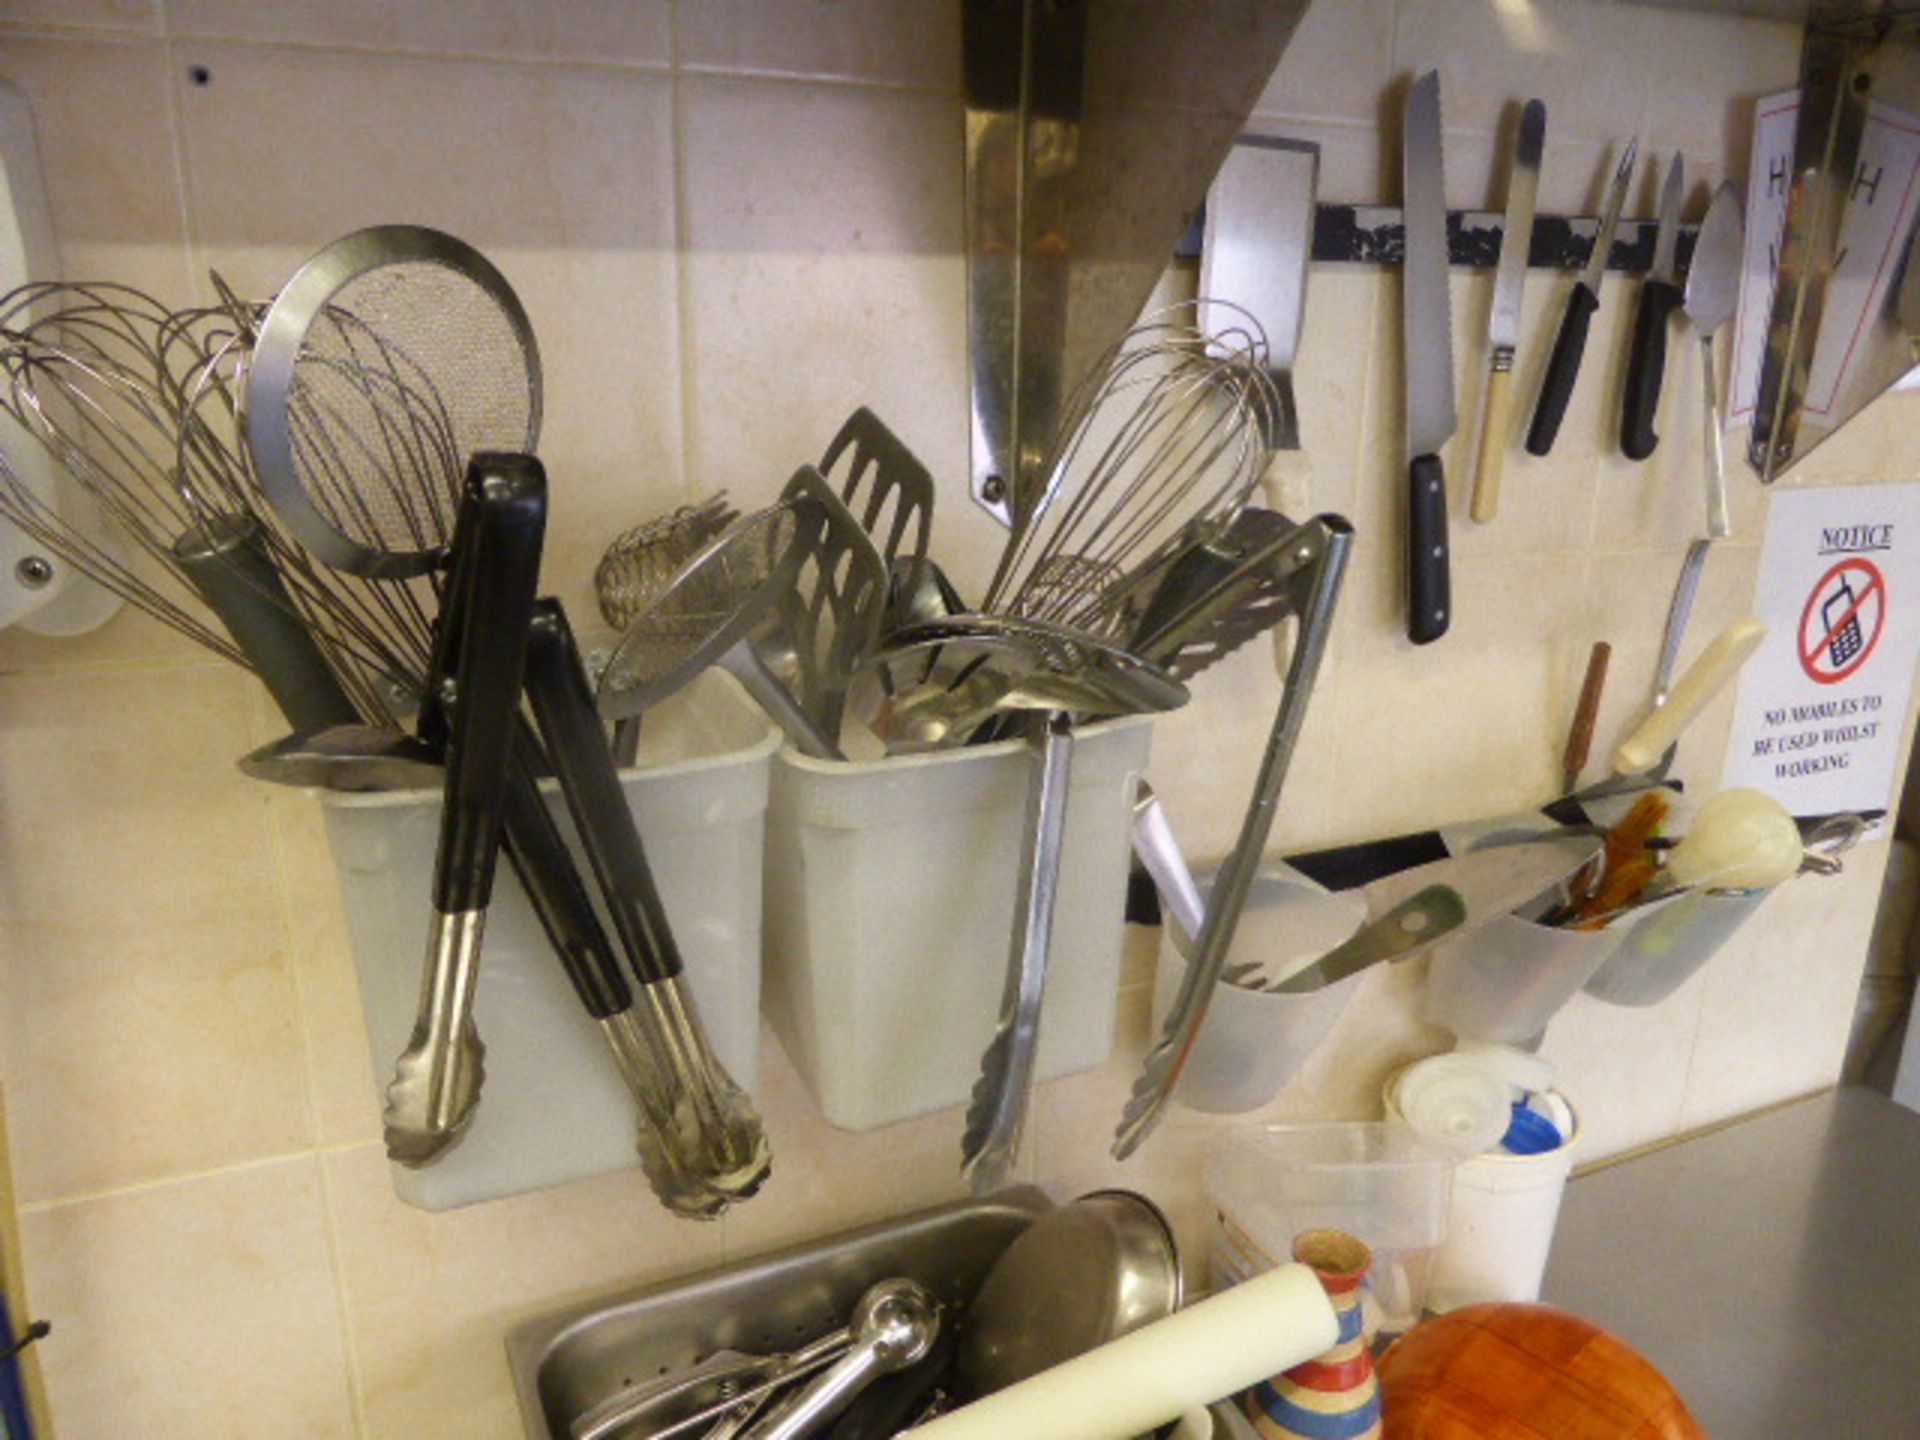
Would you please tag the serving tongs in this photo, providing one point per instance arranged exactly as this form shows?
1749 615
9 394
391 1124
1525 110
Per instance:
702 1144
481 647
1303 581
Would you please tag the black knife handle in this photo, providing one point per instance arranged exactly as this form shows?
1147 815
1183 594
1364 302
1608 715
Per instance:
1429 606
1563 368
1646 368
554 885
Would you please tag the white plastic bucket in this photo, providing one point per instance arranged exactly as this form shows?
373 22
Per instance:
1505 1208
890 892
553 1108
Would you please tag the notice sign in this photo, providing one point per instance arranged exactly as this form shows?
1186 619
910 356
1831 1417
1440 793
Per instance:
1824 699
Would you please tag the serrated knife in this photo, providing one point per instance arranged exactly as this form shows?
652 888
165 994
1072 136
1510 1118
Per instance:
1563 368
1431 418
1503 325
1659 298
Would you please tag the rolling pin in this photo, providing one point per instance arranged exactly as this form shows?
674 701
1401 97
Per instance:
1158 1373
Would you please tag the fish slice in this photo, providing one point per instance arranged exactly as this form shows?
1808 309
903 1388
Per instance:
888 491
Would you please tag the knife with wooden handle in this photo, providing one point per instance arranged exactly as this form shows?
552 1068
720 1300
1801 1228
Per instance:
1431 417
1563 367
1705 678
1503 324
1585 713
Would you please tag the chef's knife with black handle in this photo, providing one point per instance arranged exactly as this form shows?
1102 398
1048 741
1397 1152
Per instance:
1431 417
1563 368
1659 298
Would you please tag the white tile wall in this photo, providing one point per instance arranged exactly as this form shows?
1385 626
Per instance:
733 220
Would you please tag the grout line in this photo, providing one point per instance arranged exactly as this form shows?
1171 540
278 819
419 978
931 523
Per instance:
182 174
185 1177
682 278
331 1220
96 668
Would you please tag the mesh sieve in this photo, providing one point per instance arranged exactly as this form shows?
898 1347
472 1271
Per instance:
387 362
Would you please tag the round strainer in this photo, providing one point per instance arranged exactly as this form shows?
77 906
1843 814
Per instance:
387 361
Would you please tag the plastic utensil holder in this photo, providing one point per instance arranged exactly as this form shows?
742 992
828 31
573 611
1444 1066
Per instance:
1661 951
890 892
553 1108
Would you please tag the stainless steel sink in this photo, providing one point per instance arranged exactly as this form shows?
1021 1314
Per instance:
565 1364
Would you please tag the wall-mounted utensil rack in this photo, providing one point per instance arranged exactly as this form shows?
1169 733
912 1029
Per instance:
1374 235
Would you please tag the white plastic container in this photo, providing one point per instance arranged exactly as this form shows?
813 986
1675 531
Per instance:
890 890
1376 1181
1253 1043
1505 1208
552 1108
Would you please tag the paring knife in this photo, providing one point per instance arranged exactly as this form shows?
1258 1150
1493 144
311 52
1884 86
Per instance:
1659 298
1431 418
1503 326
1713 294
1258 241
1563 368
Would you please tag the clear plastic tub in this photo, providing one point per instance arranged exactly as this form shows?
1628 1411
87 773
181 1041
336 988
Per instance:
1507 979
1377 1181
1253 1043
1664 949
552 1108
890 892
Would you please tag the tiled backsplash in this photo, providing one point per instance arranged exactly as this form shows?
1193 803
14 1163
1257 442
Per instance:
732 221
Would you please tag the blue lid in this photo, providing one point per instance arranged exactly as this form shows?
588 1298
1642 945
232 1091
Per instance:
1530 1132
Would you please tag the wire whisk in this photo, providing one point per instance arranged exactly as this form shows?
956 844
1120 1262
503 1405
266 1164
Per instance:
1164 436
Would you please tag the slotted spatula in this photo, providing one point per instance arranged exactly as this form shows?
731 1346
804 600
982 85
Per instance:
837 605
888 490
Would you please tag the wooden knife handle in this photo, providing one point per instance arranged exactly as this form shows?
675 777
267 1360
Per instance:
1580 736
1563 368
1429 603
1493 438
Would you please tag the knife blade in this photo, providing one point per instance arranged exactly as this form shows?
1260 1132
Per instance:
1659 298
1415 908
1431 418
1258 240
1563 368
1503 324
1713 294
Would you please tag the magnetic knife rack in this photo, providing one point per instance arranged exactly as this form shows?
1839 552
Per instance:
1375 235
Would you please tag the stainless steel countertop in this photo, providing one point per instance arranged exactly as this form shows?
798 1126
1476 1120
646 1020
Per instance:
1771 1270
